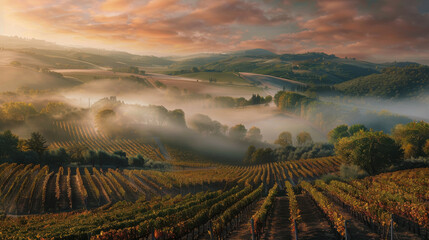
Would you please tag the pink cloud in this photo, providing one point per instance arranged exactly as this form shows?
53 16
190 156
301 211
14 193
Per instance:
390 28
344 27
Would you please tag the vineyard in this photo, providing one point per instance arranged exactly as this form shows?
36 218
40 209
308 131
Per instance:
71 133
390 200
212 203
27 189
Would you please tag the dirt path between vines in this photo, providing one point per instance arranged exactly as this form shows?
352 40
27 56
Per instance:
243 231
278 226
314 225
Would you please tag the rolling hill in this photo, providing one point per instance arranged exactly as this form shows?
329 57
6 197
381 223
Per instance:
311 68
51 55
349 76
12 78
393 82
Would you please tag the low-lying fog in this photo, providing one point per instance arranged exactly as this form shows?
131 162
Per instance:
191 101
267 118
417 109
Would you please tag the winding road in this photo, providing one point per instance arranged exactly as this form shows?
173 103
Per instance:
271 84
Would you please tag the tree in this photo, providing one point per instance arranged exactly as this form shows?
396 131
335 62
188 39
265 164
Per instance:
372 151
138 161
426 148
224 101
201 123
55 108
291 101
412 137
160 114
262 155
240 102
177 118
90 156
344 130
238 132
104 115
356 128
120 153
18 111
337 133
105 120
250 150
8 144
268 99
254 134
37 143
284 139
205 125
78 152
58 157
304 138
102 157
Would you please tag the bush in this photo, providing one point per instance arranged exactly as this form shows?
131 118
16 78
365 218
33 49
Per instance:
352 172
329 177
372 151
304 152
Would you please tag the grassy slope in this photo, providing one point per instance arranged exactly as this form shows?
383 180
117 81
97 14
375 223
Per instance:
222 77
35 60
16 77
391 83
88 76
313 69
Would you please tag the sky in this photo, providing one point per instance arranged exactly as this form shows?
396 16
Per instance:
377 30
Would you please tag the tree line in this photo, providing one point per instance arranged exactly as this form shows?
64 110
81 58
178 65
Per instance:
35 150
327 115
305 148
230 102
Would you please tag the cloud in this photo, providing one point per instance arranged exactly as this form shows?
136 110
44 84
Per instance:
367 29
115 5
389 27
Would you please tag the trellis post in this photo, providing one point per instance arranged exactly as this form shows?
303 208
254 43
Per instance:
296 229
391 228
211 230
252 222
345 230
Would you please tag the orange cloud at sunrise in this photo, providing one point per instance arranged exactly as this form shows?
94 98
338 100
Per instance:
368 29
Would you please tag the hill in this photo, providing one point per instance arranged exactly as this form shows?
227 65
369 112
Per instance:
311 68
95 58
83 133
12 78
221 77
19 42
56 56
198 60
254 52
392 82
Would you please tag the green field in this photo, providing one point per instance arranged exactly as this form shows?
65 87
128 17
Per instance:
221 77
87 76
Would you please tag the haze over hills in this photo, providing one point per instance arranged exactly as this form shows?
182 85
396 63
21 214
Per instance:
228 119
316 69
